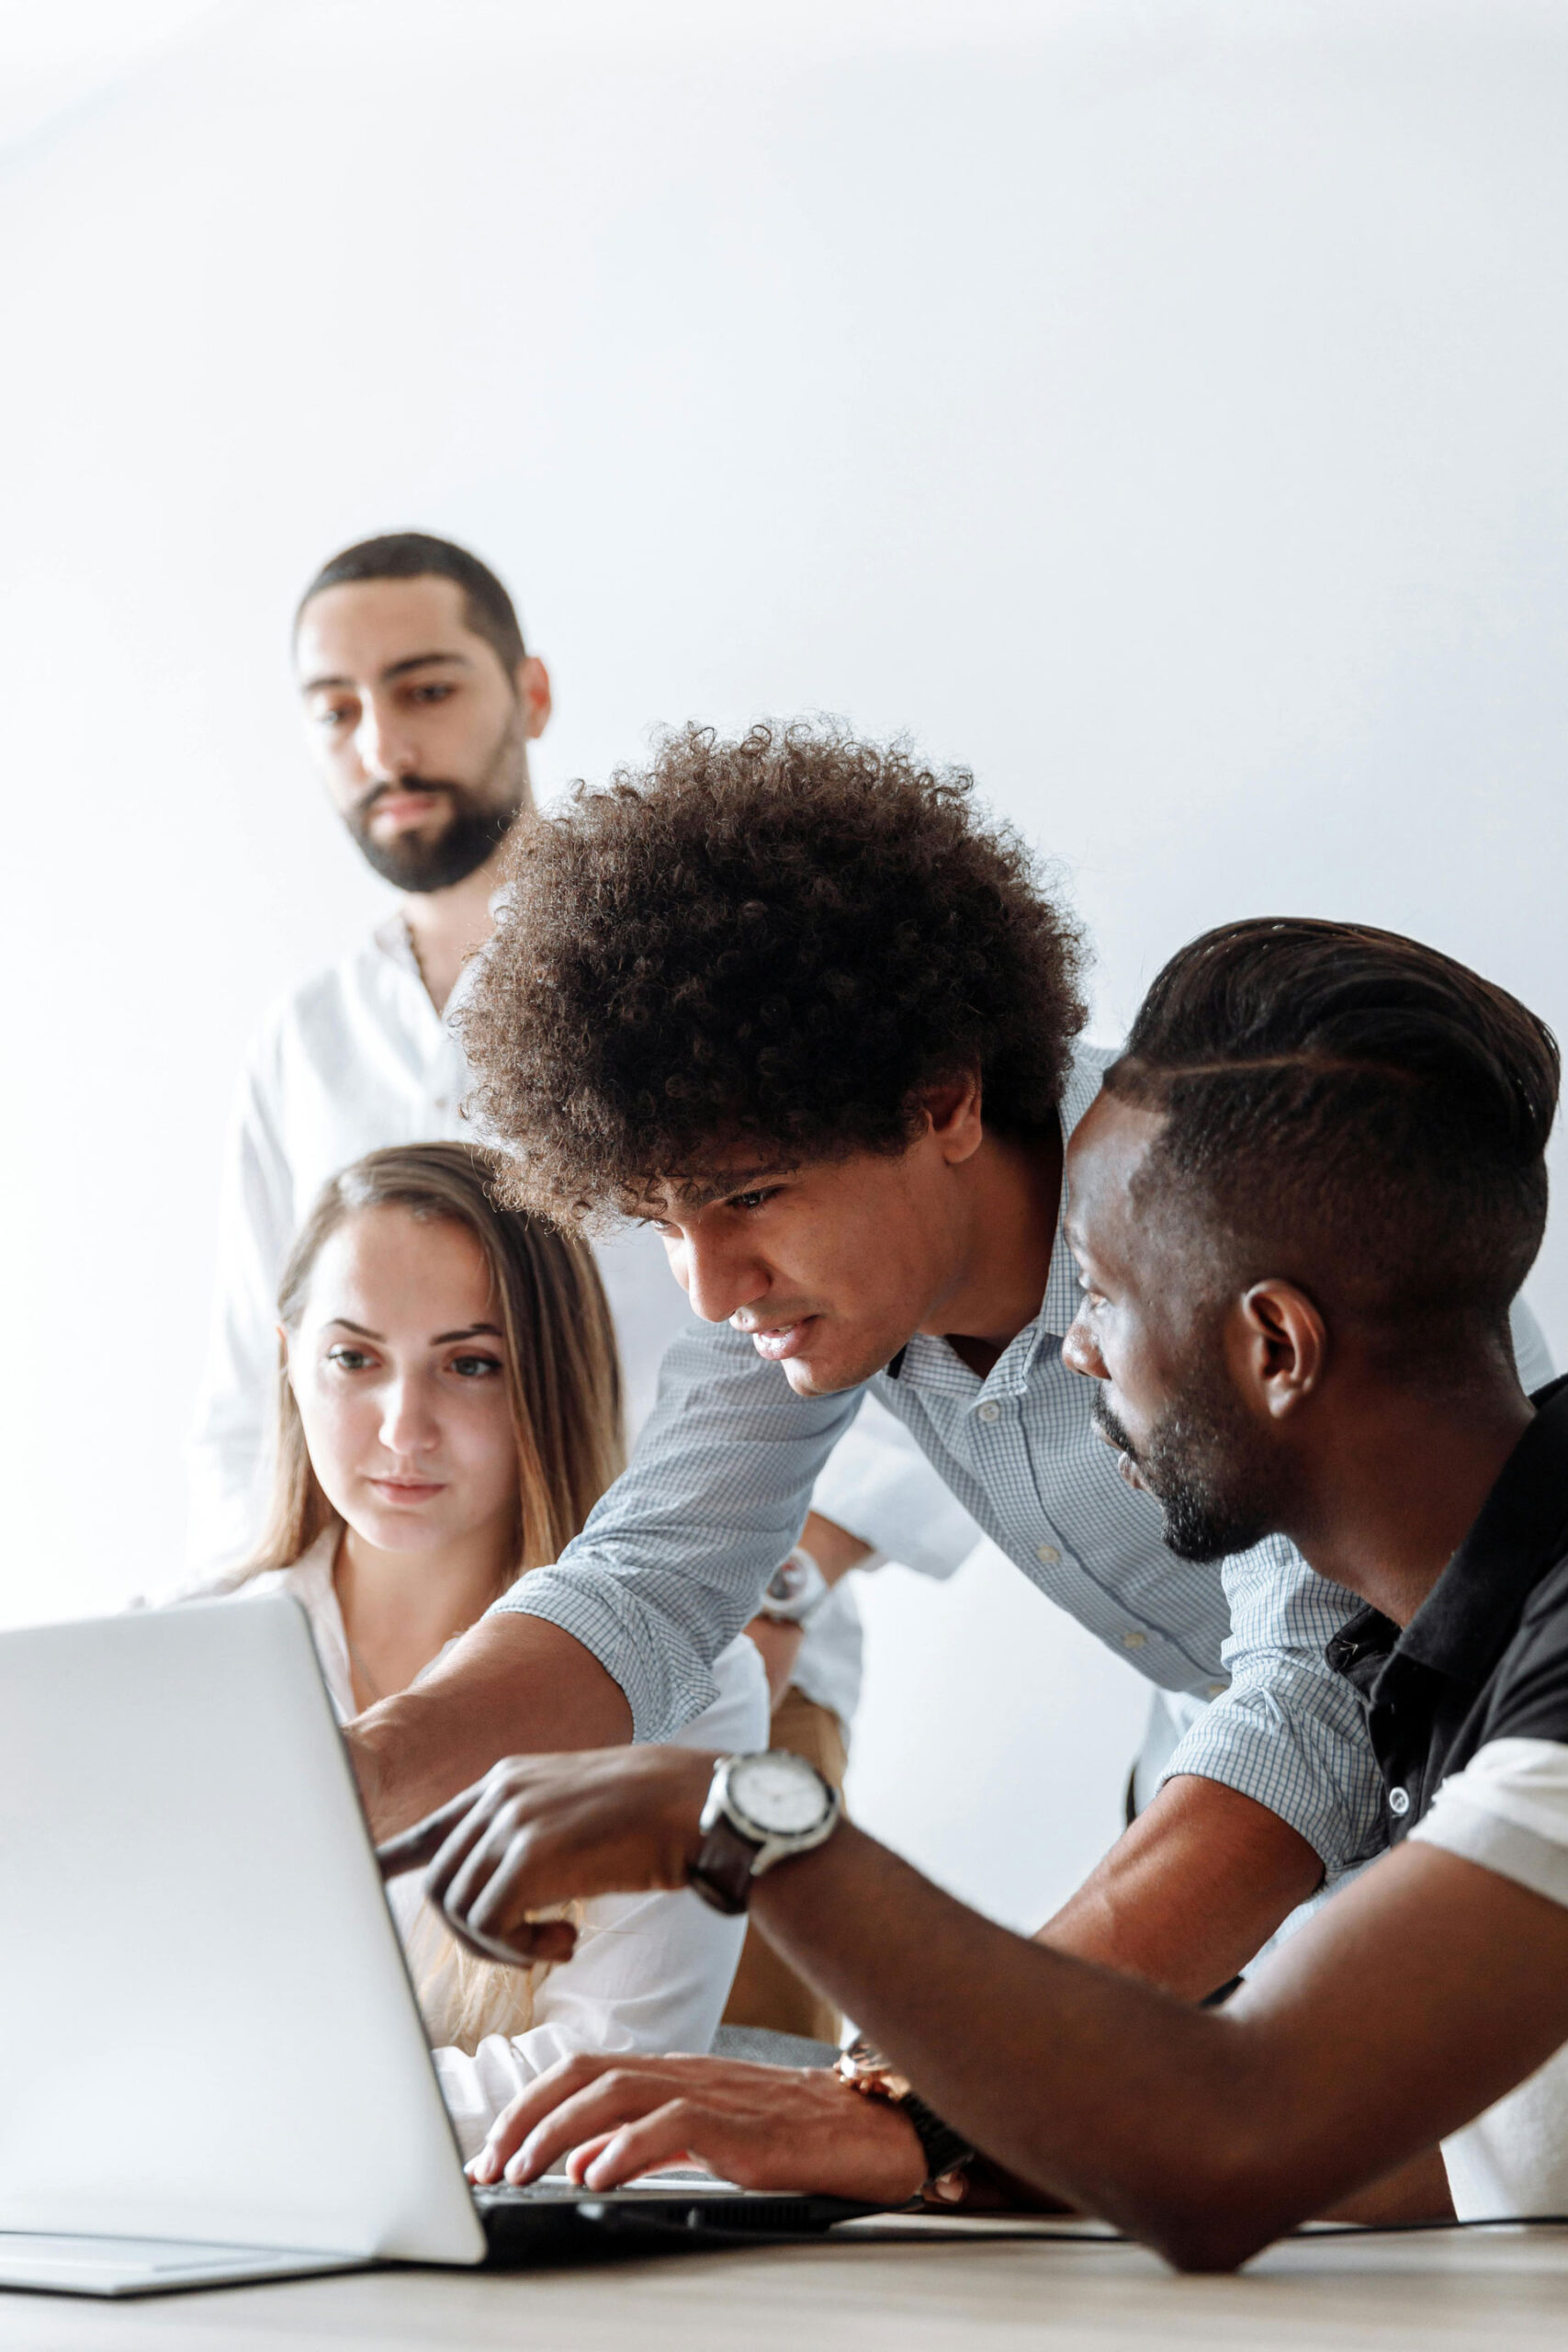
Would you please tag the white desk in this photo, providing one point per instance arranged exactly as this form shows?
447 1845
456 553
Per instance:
1490 2291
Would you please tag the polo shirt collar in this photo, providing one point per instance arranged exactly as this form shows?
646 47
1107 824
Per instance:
1470 1616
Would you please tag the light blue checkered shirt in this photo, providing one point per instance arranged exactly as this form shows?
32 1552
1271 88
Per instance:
672 1561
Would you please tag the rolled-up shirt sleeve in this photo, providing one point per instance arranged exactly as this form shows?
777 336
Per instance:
672 1560
1287 1731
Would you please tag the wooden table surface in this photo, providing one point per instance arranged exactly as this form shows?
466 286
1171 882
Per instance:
1504 2290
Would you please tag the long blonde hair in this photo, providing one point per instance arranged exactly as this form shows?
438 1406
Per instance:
563 1382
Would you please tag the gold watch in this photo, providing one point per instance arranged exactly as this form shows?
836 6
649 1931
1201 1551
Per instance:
865 2069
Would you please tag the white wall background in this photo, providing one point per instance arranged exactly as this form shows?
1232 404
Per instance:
1160 407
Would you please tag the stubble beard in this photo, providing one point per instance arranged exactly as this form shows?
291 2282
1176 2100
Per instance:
1201 1464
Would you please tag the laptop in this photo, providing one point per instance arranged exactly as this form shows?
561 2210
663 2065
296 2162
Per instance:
212 2064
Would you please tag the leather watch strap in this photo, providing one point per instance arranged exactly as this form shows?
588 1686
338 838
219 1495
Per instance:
944 2148
722 1872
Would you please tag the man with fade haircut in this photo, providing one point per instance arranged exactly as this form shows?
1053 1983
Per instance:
1299 1209
793 1000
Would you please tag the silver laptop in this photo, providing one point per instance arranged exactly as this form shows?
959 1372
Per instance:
212 2065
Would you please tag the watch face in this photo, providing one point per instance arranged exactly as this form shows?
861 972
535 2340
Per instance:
779 1792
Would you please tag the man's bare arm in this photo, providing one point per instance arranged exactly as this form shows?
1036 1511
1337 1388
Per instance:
1423 1993
1420 1996
515 1685
1191 1891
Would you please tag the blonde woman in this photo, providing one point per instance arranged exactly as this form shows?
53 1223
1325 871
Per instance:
448 1414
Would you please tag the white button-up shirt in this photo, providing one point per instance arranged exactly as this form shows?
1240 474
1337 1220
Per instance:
357 1059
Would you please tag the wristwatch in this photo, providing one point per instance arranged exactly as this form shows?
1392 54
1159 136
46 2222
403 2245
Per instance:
794 1591
865 2069
761 1810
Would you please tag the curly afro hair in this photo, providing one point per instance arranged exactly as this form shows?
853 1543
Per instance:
779 942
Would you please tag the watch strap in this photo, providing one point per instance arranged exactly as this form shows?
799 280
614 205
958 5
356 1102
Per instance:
864 2068
722 1872
944 2148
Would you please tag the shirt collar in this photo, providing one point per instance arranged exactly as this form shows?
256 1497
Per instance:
933 1362
1521 1533
396 943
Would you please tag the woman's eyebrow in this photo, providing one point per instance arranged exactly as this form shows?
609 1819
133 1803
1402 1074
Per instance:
474 1330
341 1323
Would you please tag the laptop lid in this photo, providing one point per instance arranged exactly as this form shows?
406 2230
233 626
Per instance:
207 2030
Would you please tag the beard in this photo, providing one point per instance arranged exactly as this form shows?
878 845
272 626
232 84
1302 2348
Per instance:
474 831
480 817
1204 1466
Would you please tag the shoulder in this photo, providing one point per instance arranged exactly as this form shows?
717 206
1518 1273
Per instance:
317 1005
233 1586
1529 1697
309 1581
1543 1622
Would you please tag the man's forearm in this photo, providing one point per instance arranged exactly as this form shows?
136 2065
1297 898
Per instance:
1094 2088
515 1686
1190 1893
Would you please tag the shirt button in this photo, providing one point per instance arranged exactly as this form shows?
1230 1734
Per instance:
1216 1690
1399 1802
1047 1555
990 1412
1133 1639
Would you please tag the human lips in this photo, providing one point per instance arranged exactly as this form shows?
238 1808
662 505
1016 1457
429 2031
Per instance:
776 1343
408 1490
1109 1433
398 810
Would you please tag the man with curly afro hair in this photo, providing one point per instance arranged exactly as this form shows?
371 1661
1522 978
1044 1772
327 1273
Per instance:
1301 1206
793 1000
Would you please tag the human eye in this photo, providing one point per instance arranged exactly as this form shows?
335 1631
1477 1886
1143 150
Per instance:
347 1359
477 1367
753 1200
436 691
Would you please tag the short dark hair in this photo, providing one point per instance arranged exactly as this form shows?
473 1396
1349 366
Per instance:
780 940
488 609
1346 1107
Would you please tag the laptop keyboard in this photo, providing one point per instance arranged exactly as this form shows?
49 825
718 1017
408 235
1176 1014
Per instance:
557 2188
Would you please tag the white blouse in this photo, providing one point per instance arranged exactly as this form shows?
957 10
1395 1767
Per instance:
651 1972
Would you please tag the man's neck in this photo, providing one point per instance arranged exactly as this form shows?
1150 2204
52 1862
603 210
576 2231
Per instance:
446 926
1400 1485
1014 1195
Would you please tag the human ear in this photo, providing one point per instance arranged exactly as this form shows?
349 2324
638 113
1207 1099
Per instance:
955 1111
532 681
1283 1343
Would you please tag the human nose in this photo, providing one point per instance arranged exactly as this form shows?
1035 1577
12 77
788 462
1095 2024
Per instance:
408 1425
382 743
1080 1350
717 1277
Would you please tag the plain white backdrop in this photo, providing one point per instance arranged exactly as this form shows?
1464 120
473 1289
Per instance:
1158 407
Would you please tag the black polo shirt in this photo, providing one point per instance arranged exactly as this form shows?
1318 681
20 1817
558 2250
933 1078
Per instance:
1485 1656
